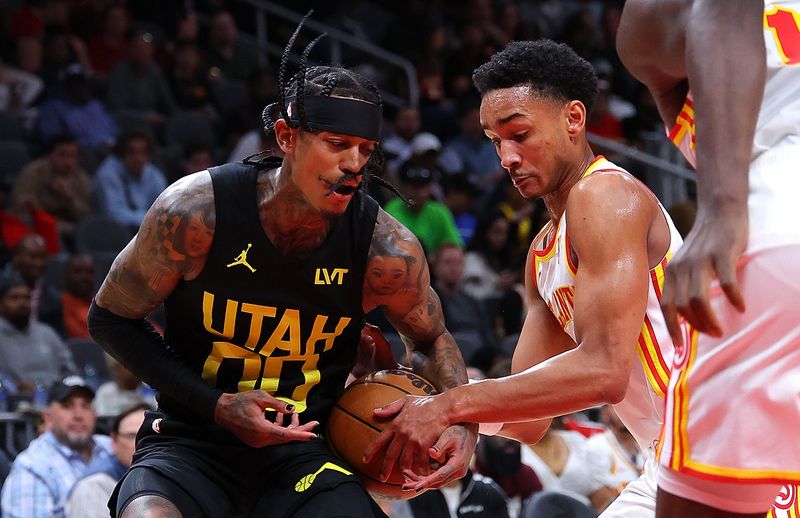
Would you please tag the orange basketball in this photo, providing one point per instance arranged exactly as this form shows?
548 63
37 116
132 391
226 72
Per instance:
352 425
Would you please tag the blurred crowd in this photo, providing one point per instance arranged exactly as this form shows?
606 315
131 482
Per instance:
103 103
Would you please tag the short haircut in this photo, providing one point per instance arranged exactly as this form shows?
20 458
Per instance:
59 140
125 413
127 136
552 70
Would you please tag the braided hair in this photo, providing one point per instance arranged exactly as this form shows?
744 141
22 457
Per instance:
325 81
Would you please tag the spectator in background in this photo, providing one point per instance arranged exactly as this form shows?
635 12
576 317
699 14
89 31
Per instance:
67 311
429 220
137 83
397 146
29 261
43 474
252 142
18 91
465 317
62 50
473 496
76 113
188 79
89 495
246 117
501 460
198 156
30 55
564 463
124 391
21 219
460 193
492 272
526 217
111 46
32 353
57 185
470 151
617 451
224 53
126 182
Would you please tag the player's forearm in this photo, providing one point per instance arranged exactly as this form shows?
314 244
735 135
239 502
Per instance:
726 66
566 383
529 432
136 345
441 363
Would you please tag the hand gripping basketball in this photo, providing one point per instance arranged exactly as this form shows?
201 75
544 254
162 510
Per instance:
352 425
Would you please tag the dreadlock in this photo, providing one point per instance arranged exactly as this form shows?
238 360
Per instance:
325 81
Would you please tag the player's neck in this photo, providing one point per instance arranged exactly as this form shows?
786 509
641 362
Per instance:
556 201
290 222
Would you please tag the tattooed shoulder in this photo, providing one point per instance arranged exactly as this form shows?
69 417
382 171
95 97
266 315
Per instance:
172 243
397 276
179 228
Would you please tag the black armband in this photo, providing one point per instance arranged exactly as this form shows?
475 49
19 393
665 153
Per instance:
137 346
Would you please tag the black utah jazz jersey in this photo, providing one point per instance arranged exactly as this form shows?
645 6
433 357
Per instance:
254 319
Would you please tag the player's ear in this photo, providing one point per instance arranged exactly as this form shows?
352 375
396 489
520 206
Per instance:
285 135
576 115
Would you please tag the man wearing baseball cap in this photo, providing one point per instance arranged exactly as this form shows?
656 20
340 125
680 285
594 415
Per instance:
44 472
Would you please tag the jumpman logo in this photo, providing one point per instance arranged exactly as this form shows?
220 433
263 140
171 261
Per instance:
305 482
242 259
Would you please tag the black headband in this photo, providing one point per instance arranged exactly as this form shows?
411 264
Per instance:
339 115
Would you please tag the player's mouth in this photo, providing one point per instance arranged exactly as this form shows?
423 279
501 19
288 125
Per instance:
343 190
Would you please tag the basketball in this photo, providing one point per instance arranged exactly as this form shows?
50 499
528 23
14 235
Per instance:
352 426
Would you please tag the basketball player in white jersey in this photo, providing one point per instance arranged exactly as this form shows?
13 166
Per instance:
728 68
594 332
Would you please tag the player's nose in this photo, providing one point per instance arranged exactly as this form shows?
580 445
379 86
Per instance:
509 157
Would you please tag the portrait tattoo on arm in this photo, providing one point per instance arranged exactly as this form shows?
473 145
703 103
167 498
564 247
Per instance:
398 280
172 243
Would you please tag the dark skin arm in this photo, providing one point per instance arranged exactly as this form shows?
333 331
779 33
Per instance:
719 40
413 308
149 268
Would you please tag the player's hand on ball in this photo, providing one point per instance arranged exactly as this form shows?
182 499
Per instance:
450 458
374 353
243 415
416 426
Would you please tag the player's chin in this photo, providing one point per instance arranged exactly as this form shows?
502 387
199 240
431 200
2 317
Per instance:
336 203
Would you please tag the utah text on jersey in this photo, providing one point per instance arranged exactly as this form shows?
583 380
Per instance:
274 336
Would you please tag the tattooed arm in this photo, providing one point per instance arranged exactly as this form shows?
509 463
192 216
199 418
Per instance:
398 280
173 243
149 268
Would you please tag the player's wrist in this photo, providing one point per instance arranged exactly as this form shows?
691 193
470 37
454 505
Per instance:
448 404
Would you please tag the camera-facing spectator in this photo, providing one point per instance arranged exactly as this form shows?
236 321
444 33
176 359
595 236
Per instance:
126 182
137 83
224 53
32 352
57 184
89 495
43 474
76 113
66 311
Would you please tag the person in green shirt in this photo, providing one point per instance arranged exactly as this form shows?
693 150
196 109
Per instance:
429 220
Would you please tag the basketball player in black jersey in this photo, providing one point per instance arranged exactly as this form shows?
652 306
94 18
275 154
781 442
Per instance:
261 267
